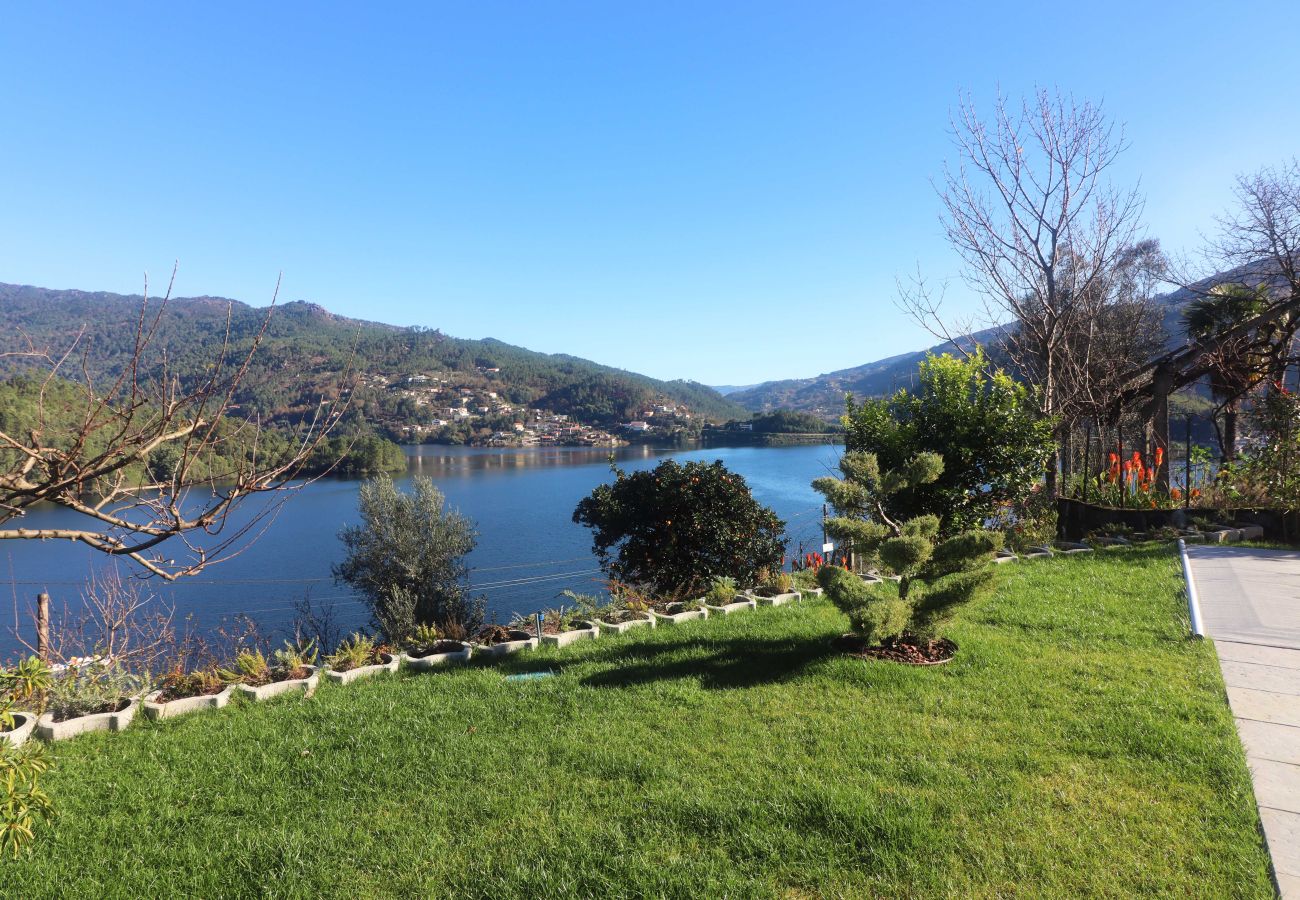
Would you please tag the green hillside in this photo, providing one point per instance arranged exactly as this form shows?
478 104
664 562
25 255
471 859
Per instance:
307 349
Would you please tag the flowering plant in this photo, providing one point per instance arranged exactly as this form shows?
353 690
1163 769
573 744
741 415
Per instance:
1131 482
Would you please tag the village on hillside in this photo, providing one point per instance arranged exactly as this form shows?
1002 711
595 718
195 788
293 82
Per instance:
452 408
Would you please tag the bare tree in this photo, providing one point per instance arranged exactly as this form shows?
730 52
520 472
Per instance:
148 456
1048 244
1260 240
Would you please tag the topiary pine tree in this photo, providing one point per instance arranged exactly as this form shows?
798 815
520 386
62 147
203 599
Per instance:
937 574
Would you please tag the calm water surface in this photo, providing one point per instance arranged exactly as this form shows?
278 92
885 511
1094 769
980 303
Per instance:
521 501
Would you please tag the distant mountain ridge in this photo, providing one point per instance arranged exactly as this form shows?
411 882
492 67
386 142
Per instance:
306 345
823 394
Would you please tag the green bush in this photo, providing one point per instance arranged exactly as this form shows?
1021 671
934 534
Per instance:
673 529
92 688
24 806
985 427
875 611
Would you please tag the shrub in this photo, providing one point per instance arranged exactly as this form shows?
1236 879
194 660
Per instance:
875 611
674 528
985 427
24 806
354 652
721 592
407 559
253 668
178 683
805 579
775 584
92 688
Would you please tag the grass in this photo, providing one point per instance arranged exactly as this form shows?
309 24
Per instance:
1078 745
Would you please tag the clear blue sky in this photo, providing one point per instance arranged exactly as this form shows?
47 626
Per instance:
717 191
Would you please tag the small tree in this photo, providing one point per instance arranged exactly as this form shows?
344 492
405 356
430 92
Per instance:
1048 244
408 559
677 527
937 574
984 424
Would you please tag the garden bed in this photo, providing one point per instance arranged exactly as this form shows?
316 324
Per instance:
389 662
51 728
157 708
907 649
564 638
440 654
23 725
306 683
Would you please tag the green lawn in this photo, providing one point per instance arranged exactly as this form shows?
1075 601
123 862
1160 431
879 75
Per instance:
1078 745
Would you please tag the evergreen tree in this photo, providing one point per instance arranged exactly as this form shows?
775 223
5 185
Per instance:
937 574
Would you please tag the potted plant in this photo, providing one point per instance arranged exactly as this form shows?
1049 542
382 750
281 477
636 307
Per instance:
806 582
622 612
428 647
20 684
292 668
180 692
497 640
97 696
776 590
724 599
674 612
359 657
561 625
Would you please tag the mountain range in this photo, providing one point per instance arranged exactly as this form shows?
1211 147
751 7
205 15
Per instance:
823 394
306 347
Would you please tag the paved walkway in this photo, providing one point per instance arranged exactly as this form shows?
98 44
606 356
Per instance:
1250 606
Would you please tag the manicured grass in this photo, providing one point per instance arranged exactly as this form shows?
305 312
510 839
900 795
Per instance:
1078 745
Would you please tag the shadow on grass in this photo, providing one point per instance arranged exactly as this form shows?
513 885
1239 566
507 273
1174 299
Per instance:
738 663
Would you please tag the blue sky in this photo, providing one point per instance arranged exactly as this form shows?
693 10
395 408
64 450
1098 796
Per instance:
717 191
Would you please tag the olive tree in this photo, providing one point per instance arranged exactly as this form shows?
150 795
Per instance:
407 559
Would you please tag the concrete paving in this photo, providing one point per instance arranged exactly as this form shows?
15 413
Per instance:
1250 605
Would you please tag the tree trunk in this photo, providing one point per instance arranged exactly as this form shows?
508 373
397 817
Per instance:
1229 447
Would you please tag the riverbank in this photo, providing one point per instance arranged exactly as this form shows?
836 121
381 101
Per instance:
1078 745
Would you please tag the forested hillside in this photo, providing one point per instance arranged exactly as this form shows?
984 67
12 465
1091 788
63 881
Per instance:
308 351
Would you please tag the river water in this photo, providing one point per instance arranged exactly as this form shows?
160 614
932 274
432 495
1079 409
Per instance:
521 501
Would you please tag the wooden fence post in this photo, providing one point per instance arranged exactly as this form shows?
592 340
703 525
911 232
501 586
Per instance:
43 626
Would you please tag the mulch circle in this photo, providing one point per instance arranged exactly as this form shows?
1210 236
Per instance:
908 649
